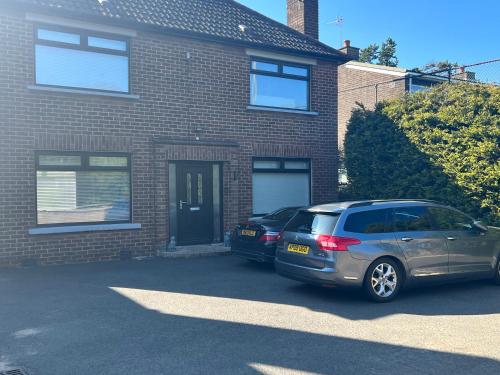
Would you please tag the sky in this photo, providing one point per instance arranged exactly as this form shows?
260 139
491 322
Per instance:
460 31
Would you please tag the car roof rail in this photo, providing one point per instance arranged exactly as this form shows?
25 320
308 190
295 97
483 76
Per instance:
369 203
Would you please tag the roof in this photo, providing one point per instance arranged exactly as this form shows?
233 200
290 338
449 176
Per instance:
220 20
339 206
393 71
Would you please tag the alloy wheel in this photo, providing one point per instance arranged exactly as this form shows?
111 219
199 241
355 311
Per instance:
384 280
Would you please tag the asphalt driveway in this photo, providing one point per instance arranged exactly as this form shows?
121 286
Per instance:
223 315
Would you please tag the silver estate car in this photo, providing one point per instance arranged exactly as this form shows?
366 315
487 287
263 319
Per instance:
381 246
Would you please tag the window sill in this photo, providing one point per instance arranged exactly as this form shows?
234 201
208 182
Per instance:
269 109
82 92
82 228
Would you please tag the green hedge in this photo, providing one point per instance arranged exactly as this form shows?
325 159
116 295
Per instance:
442 144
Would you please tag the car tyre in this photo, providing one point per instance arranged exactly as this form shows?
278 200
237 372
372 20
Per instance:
496 279
383 280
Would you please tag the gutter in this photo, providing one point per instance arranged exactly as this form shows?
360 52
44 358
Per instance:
167 31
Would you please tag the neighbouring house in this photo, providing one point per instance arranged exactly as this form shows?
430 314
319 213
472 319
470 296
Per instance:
367 84
127 122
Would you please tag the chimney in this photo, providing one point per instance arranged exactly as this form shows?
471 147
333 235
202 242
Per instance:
303 16
464 75
351 52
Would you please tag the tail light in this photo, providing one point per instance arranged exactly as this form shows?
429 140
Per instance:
334 243
270 236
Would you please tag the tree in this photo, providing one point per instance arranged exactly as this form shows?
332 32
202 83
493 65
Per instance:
387 55
369 54
434 66
441 144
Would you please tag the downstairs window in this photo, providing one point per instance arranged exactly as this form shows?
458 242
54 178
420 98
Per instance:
82 188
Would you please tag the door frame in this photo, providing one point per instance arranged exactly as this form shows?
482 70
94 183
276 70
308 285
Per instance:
218 231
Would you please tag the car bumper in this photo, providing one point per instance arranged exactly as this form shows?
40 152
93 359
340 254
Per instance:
328 276
259 254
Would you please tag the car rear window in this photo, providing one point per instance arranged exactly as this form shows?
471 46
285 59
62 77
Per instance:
374 221
282 214
313 223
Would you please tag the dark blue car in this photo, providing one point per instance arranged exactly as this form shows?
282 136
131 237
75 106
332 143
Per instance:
256 239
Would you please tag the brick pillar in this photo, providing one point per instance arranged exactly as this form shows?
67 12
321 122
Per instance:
303 16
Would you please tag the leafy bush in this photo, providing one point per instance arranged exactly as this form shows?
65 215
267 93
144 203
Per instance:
443 144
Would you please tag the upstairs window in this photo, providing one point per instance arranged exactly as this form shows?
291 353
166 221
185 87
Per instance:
279 85
81 59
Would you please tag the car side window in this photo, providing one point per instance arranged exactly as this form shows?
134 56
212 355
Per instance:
411 219
368 222
446 219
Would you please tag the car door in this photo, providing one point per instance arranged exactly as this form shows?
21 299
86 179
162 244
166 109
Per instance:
470 250
425 249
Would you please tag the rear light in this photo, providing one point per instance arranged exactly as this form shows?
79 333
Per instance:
334 243
270 236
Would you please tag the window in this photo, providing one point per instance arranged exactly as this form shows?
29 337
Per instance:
446 219
278 183
279 85
411 219
81 59
312 223
76 188
375 221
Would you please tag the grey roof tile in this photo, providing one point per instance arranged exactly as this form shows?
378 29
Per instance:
219 19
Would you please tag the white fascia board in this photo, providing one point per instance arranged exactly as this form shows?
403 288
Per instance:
376 70
281 57
80 24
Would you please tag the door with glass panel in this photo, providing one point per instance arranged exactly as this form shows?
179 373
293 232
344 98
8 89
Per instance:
194 203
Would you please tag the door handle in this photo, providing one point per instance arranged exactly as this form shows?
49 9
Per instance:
406 239
451 238
181 203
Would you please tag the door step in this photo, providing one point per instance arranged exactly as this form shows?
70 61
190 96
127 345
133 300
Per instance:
196 251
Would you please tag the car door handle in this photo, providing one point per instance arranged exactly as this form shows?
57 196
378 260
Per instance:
451 238
406 239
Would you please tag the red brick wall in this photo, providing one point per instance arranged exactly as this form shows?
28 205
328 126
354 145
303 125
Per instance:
358 86
206 96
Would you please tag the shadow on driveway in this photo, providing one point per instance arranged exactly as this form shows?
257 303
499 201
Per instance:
138 318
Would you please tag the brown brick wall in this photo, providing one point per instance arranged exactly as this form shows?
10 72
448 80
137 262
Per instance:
206 96
357 86
303 16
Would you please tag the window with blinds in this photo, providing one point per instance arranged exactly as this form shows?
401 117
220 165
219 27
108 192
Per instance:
83 188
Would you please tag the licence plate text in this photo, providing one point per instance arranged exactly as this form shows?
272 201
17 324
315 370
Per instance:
295 248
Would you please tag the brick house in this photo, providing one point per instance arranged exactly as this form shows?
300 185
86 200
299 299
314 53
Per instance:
126 122
368 84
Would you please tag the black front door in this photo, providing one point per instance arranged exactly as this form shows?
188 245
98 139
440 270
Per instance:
194 203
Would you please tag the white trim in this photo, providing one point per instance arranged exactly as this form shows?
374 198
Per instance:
270 109
82 228
83 92
376 69
279 56
80 24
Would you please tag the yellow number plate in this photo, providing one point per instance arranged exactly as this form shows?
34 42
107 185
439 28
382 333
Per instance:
301 249
247 232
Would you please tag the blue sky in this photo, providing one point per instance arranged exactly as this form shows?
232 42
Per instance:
425 30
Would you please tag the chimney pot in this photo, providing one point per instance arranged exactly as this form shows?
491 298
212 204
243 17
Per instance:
351 52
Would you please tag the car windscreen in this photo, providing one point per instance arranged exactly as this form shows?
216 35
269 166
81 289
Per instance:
313 222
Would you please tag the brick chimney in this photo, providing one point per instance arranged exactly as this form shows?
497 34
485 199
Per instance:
351 52
303 16
464 75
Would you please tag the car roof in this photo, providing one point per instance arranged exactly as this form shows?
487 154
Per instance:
341 206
